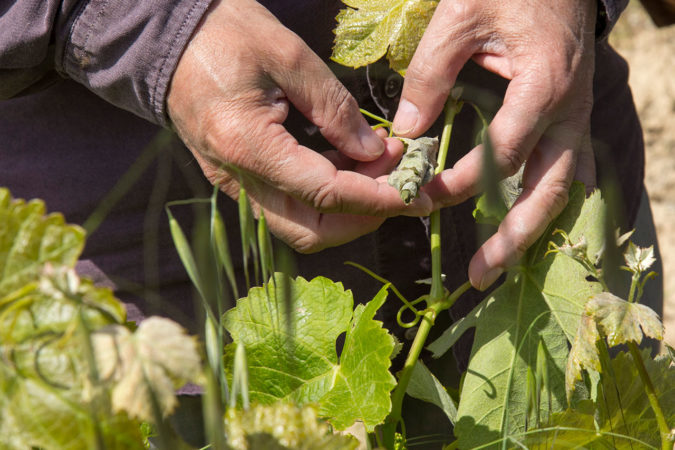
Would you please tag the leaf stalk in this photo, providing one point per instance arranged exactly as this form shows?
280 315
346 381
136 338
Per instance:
452 107
437 301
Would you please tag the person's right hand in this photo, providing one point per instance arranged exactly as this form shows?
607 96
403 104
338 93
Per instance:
228 100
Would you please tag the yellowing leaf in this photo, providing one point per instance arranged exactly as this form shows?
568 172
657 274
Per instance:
48 398
621 321
282 426
621 419
159 354
367 29
583 355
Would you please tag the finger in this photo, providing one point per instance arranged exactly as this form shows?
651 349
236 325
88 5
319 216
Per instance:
447 44
546 182
302 227
382 133
268 152
339 160
318 95
529 108
384 164
297 224
586 164
381 166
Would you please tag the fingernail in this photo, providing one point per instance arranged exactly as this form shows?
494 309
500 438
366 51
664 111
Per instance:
406 117
370 141
490 277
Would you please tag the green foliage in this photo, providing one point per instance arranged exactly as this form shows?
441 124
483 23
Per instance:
607 316
282 426
29 239
369 29
425 386
539 305
622 321
155 360
622 417
48 397
71 375
416 167
583 355
303 367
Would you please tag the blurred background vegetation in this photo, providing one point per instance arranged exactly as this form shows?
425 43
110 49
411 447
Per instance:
650 52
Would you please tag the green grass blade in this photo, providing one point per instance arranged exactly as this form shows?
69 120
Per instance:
185 254
221 245
266 250
212 408
213 341
240 378
249 247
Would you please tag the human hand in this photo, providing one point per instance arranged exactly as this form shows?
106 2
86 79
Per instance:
546 49
228 100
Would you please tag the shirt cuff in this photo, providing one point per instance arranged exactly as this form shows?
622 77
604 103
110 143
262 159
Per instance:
126 51
608 13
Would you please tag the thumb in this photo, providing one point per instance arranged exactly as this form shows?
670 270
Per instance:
315 91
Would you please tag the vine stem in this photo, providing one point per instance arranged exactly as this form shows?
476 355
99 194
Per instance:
666 435
437 301
416 349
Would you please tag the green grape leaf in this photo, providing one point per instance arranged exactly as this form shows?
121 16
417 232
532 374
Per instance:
54 303
583 354
622 418
367 30
49 397
303 367
155 360
425 386
37 254
416 167
36 414
621 321
539 304
282 426
29 238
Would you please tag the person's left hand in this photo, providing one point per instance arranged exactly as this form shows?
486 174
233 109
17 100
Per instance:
546 48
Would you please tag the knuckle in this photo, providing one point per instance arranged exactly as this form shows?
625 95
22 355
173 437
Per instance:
308 243
558 193
509 160
424 78
326 199
294 52
219 145
340 105
522 244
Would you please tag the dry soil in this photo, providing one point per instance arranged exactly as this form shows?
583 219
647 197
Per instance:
650 52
